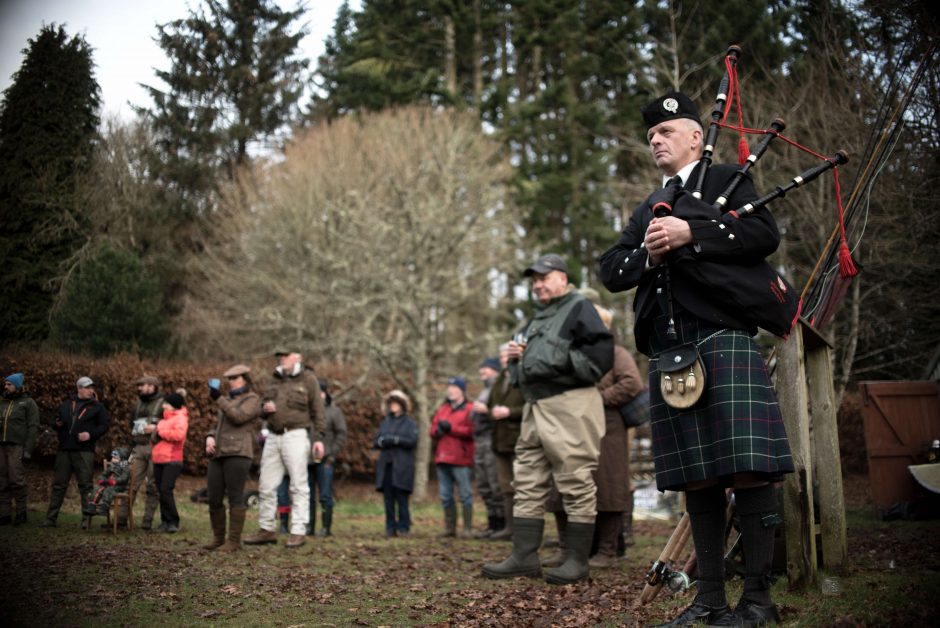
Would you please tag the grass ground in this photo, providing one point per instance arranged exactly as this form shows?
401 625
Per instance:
65 576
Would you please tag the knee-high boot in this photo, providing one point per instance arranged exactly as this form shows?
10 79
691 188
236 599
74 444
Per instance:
236 523
217 519
524 560
578 539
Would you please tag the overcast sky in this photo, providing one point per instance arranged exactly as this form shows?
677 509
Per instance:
121 33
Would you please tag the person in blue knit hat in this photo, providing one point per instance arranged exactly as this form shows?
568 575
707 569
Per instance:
452 432
19 425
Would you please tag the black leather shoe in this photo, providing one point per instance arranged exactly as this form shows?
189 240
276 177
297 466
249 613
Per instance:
753 614
701 615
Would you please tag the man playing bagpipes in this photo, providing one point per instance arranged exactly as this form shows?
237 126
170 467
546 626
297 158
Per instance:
703 288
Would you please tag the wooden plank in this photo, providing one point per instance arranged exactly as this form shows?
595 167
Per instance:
798 512
828 460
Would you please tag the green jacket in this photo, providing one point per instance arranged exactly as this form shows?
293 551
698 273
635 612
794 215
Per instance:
148 412
19 421
506 431
298 402
567 347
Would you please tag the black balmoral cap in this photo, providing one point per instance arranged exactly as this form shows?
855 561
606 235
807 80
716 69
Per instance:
670 106
546 264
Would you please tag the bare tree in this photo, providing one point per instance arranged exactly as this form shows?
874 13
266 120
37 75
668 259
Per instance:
384 239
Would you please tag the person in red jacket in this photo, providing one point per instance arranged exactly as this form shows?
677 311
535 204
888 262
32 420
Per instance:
452 430
169 434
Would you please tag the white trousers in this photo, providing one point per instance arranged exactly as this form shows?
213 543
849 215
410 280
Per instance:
285 453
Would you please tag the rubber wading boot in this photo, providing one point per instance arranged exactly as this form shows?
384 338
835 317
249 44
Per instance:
327 522
506 533
561 555
524 560
578 538
236 523
217 519
450 523
467 521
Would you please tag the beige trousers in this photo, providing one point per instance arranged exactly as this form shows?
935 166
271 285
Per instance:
560 441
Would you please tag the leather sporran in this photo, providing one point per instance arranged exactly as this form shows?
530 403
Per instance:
681 376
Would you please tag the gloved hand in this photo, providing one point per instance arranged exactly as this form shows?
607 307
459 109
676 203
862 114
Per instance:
215 393
444 426
393 441
380 441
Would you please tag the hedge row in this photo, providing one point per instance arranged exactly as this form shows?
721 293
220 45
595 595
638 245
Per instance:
50 378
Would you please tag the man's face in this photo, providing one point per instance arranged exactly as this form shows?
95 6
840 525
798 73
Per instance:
146 389
9 388
454 393
287 361
674 144
487 373
548 286
86 393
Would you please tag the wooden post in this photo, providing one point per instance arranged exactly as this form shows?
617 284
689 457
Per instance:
799 518
828 461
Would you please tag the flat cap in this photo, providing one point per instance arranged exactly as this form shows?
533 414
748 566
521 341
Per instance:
149 379
546 264
238 369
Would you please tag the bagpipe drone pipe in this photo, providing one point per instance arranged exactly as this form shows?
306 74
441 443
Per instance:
757 293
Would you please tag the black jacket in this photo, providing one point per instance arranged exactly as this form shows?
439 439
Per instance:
81 415
724 239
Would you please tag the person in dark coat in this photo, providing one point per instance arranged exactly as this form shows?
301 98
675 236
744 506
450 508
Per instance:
19 427
81 421
395 471
618 386
733 436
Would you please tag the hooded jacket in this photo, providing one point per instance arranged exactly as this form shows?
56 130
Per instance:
172 432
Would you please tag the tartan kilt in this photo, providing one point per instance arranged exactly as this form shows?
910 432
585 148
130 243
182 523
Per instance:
735 427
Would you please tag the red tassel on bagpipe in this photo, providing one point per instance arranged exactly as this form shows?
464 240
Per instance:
847 267
734 96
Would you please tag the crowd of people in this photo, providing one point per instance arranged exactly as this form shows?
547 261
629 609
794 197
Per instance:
545 434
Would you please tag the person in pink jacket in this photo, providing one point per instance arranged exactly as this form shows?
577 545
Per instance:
168 436
452 431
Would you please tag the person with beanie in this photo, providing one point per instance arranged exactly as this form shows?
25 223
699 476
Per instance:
484 460
452 432
230 447
169 436
80 422
147 411
505 405
733 435
19 426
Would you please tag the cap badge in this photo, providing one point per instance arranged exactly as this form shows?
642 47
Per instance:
671 105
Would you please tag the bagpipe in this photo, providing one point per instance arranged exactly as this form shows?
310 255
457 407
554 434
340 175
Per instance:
756 292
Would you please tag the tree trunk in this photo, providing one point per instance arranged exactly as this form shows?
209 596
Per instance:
450 57
477 56
421 415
